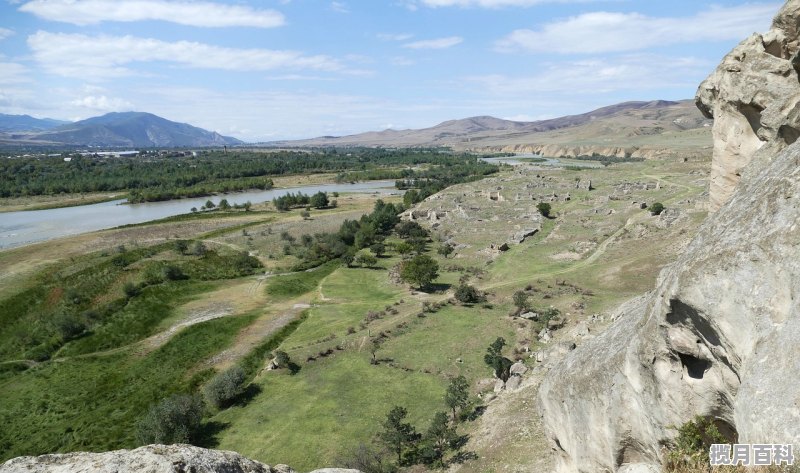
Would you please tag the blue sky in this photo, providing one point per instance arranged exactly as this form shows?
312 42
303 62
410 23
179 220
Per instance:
277 69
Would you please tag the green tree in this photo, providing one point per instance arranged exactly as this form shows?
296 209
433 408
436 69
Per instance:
366 260
521 301
445 249
440 435
397 434
544 208
457 395
420 270
403 248
378 249
656 208
494 358
176 419
224 205
319 200
182 246
209 204
224 387
282 359
467 294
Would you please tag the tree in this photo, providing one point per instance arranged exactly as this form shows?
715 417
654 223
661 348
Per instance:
199 249
397 434
403 248
656 208
467 294
440 435
445 249
175 419
282 359
544 209
319 200
494 358
224 387
420 270
457 395
366 260
521 301
182 246
209 204
378 249
224 205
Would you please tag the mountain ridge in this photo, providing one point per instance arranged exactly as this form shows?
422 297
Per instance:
124 129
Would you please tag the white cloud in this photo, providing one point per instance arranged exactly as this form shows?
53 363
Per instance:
102 57
601 32
5 33
13 73
602 75
489 3
340 7
401 61
204 14
394 36
102 103
439 43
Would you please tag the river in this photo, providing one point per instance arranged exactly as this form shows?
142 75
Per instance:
522 158
26 227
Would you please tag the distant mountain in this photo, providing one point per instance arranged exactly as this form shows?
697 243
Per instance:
128 129
17 123
622 125
134 129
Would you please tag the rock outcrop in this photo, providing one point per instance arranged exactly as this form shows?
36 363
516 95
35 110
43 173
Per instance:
754 99
571 151
148 459
718 336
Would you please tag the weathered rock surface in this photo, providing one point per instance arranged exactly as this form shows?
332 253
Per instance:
754 99
718 336
148 459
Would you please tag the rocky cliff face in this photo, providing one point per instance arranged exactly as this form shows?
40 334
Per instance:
148 459
569 151
718 336
753 97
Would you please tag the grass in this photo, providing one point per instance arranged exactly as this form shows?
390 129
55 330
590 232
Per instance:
92 403
290 286
310 419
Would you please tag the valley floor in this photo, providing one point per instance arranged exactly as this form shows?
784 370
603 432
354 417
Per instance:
599 249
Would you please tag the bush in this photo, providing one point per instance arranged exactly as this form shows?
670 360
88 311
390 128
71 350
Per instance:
544 208
172 273
69 326
131 290
225 387
365 260
420 270
691 446
521 301
467 294
176 419
656 208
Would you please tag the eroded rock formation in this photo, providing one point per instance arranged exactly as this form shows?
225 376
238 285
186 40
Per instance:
718 336
753 97
148 459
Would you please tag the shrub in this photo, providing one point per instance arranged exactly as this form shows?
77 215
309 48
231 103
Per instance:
692 444
69 326
199 249
225 387
131 290
521 301
656 208
467 294
366 260
420 270
176 419
544 208
172 273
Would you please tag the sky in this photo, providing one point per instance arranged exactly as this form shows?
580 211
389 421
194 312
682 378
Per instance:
287 69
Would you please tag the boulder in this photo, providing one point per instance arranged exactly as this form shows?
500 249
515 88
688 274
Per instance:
754 99
513 383
147 459
518 368
499 385
530 316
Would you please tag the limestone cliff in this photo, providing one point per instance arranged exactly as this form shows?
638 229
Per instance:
754 99
718 336
148 459
571 151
